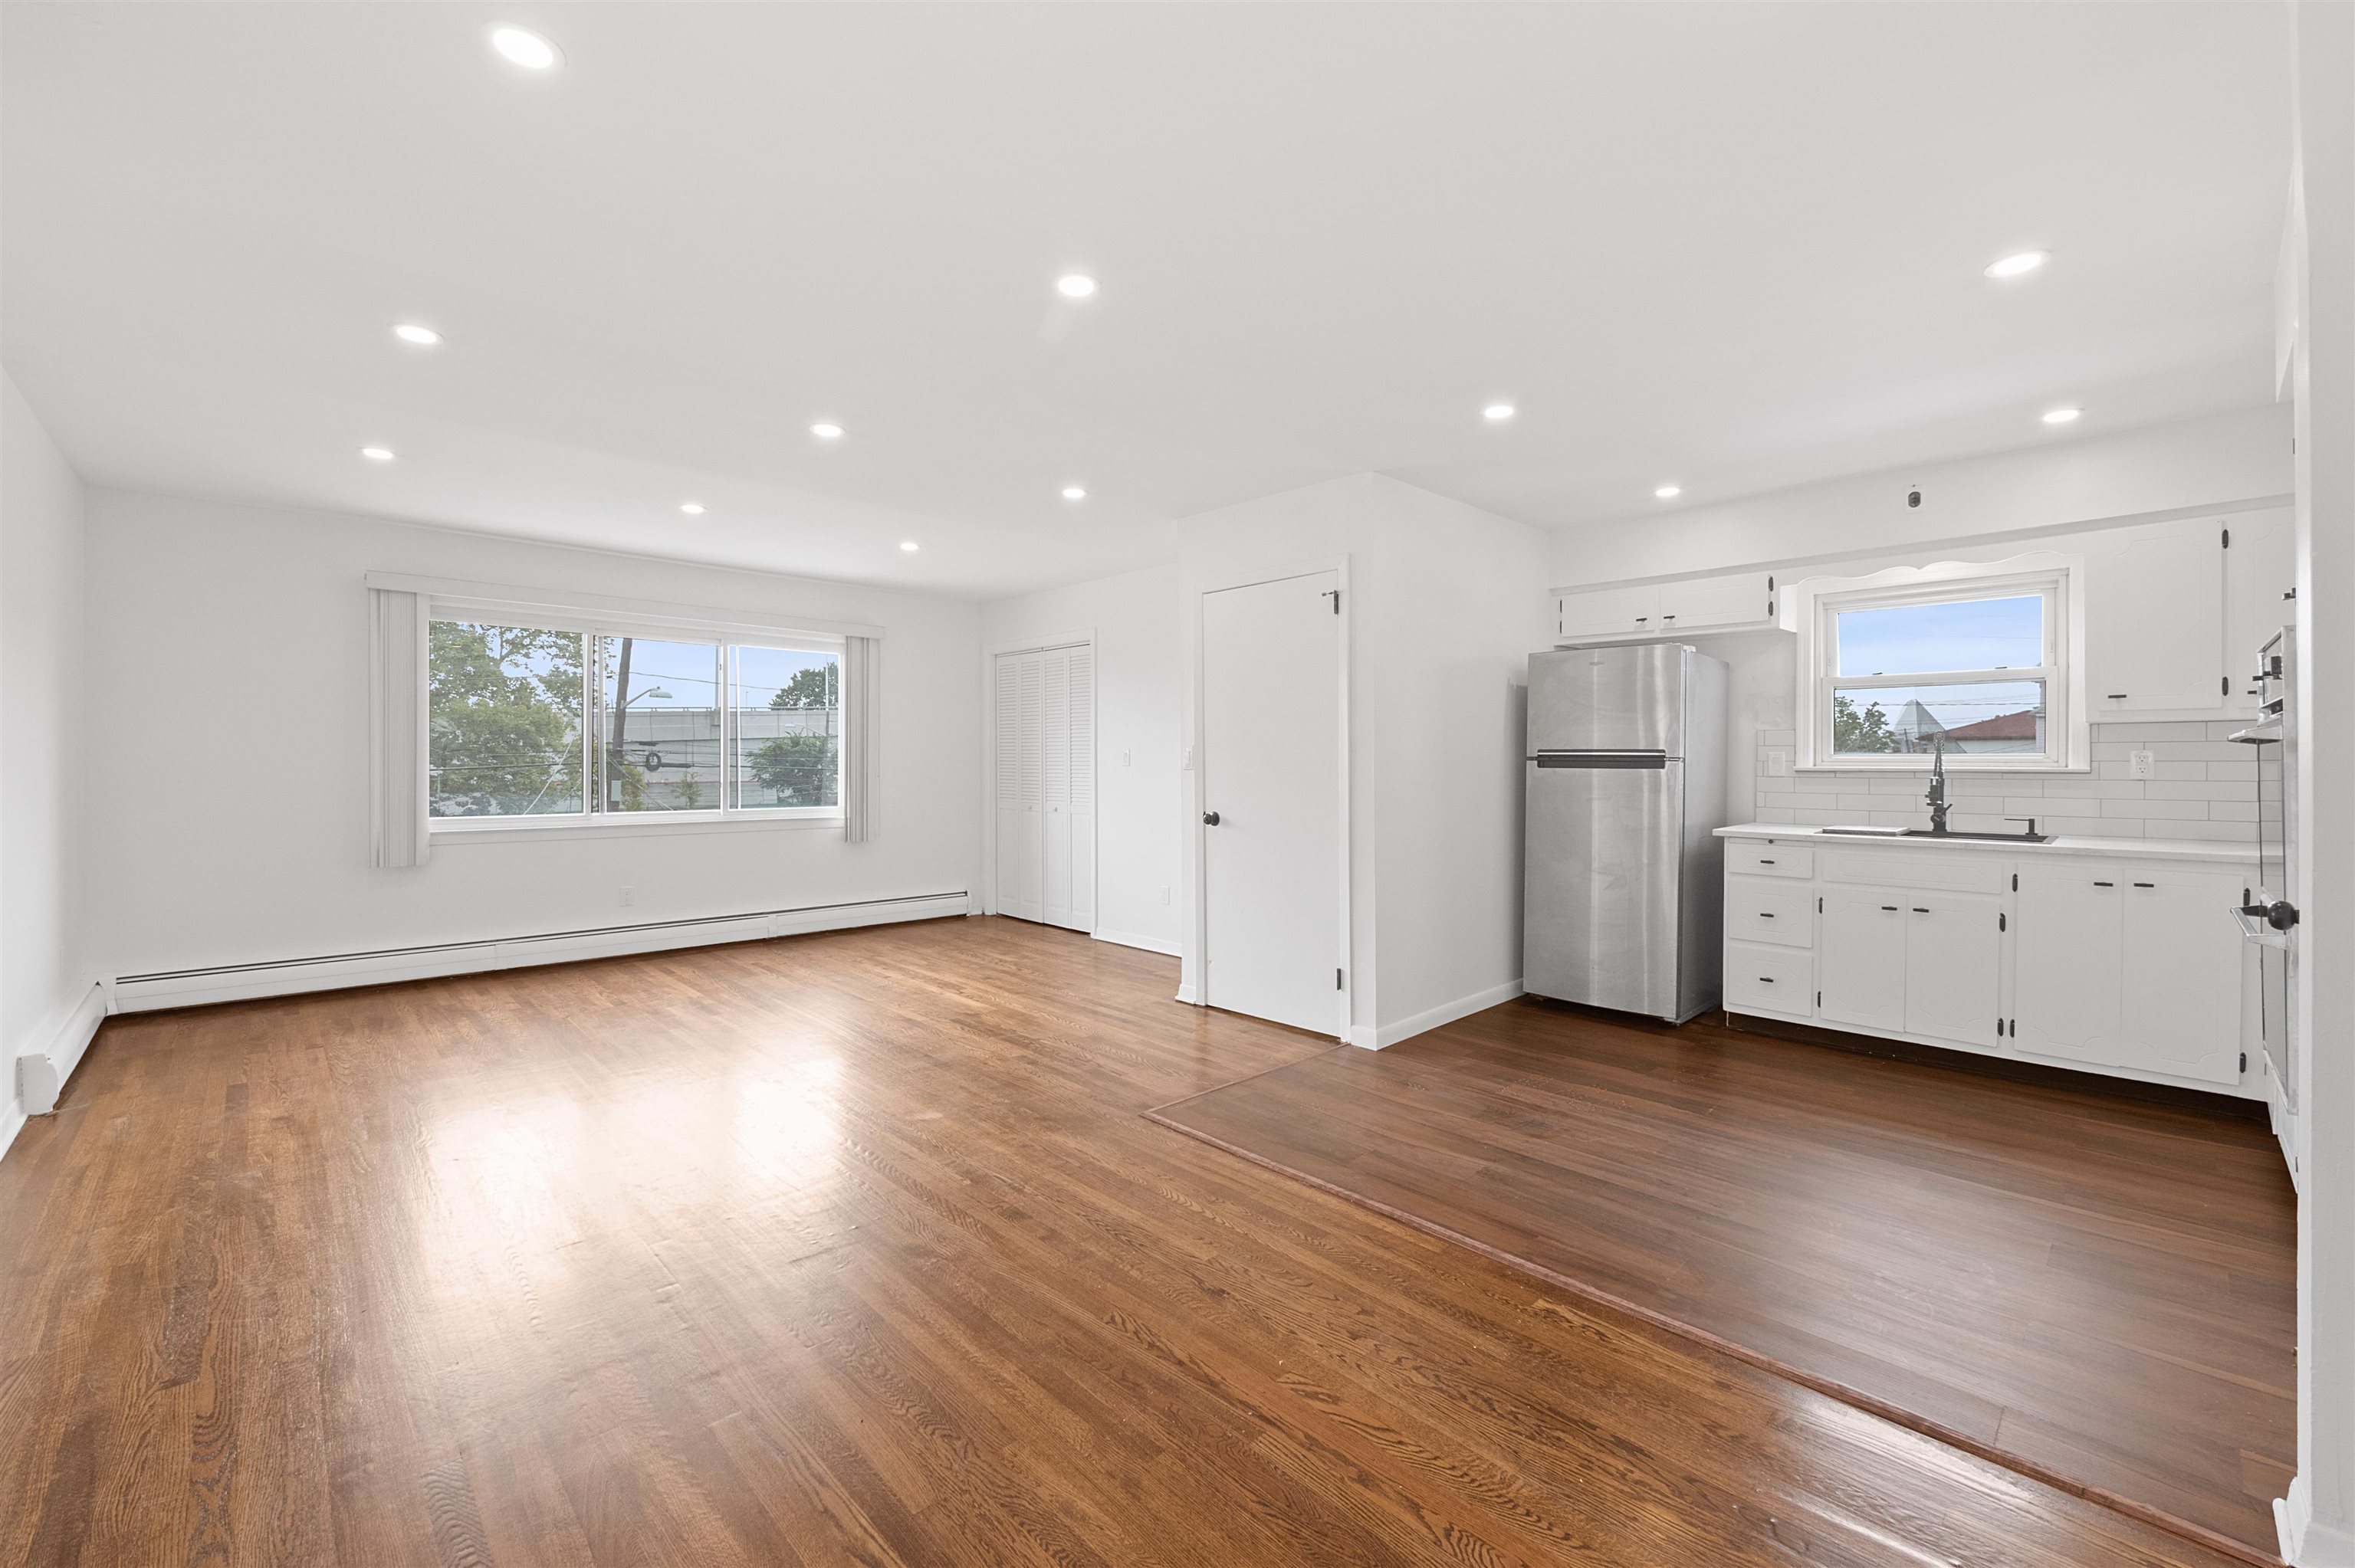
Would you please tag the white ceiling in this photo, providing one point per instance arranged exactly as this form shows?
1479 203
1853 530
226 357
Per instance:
1735 247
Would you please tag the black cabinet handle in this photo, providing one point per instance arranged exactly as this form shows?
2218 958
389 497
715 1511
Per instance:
1919 910
2146 885
1210 819
1890 908
1764 862
1766 915
2106 885
1766 980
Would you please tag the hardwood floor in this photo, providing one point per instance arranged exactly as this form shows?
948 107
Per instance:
2099 1291
844 1249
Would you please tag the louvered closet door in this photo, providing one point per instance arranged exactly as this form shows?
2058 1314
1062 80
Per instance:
1020 795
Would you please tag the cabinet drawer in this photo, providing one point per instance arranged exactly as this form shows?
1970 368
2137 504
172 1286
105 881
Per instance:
1769 979
1758 909
1762 857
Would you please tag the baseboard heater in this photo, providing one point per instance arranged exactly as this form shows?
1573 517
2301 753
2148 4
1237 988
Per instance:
286 977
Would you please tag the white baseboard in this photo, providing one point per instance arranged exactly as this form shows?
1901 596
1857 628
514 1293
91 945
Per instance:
1387 1034
64 1041
2307 1541
233 982
1131 939
1186 993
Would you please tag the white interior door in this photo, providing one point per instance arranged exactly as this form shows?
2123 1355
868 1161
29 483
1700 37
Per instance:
1047 786
1271 773
1021 794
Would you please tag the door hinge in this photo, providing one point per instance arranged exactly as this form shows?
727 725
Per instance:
1819 905
2228 538
2015 882
2245 1060
1335 595
2224 685
2002 921
1336 980
1819 998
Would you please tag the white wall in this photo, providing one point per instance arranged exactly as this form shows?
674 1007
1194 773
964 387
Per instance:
1448 605
227 750
2233 461
42 979
1138 690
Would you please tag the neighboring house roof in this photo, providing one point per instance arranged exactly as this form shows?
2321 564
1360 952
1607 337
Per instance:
2020 725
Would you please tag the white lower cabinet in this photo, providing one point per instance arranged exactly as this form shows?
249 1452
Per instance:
2131 965
1862 946
1954 967
1907 961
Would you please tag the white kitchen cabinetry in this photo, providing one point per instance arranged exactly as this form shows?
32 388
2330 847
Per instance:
2259 568
2176 611
2123 962
1742 601
1862 965
2130 966
2155 619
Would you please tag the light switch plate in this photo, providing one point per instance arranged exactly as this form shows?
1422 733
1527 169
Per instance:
1778 761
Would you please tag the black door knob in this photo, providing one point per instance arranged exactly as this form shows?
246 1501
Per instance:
1210 819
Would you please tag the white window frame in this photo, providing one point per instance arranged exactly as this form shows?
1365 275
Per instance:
602 615
1811 608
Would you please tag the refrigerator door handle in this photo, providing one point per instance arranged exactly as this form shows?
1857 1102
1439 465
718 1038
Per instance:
1601 759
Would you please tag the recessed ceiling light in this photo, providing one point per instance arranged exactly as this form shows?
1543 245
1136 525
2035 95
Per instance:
1076 285
826 431
2062 416
377 454
907 544
692 508
2019 265
422 336
1667 490
1497 411
1074 493
525 48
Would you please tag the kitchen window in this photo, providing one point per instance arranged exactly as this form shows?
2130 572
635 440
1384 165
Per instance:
1976 662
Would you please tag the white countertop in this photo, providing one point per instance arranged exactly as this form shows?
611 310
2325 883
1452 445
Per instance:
2062 844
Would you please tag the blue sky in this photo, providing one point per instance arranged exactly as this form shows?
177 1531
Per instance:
1922 639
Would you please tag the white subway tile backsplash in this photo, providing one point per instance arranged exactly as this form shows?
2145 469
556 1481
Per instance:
2203 786
2151 811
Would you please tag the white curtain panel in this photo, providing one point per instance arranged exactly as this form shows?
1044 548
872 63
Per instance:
862 668
398 716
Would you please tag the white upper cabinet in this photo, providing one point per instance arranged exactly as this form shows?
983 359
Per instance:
2155 619
2259 567
1744 598
1611 612
1742 601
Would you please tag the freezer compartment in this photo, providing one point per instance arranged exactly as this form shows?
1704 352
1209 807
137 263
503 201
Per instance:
1609 699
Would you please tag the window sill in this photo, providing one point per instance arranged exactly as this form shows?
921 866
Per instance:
1954 770
460 830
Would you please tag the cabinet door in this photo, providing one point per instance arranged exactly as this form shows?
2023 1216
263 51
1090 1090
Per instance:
2259 567
1736 601
1953 959
2155 618
2181 1012
1611 612
1860 957
2067 963
1021 785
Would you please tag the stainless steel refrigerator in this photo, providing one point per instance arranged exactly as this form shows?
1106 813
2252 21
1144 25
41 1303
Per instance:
1623 892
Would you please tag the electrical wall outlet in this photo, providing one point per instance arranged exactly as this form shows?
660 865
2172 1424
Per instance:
1123 756
1165 895
2140 766
629 897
